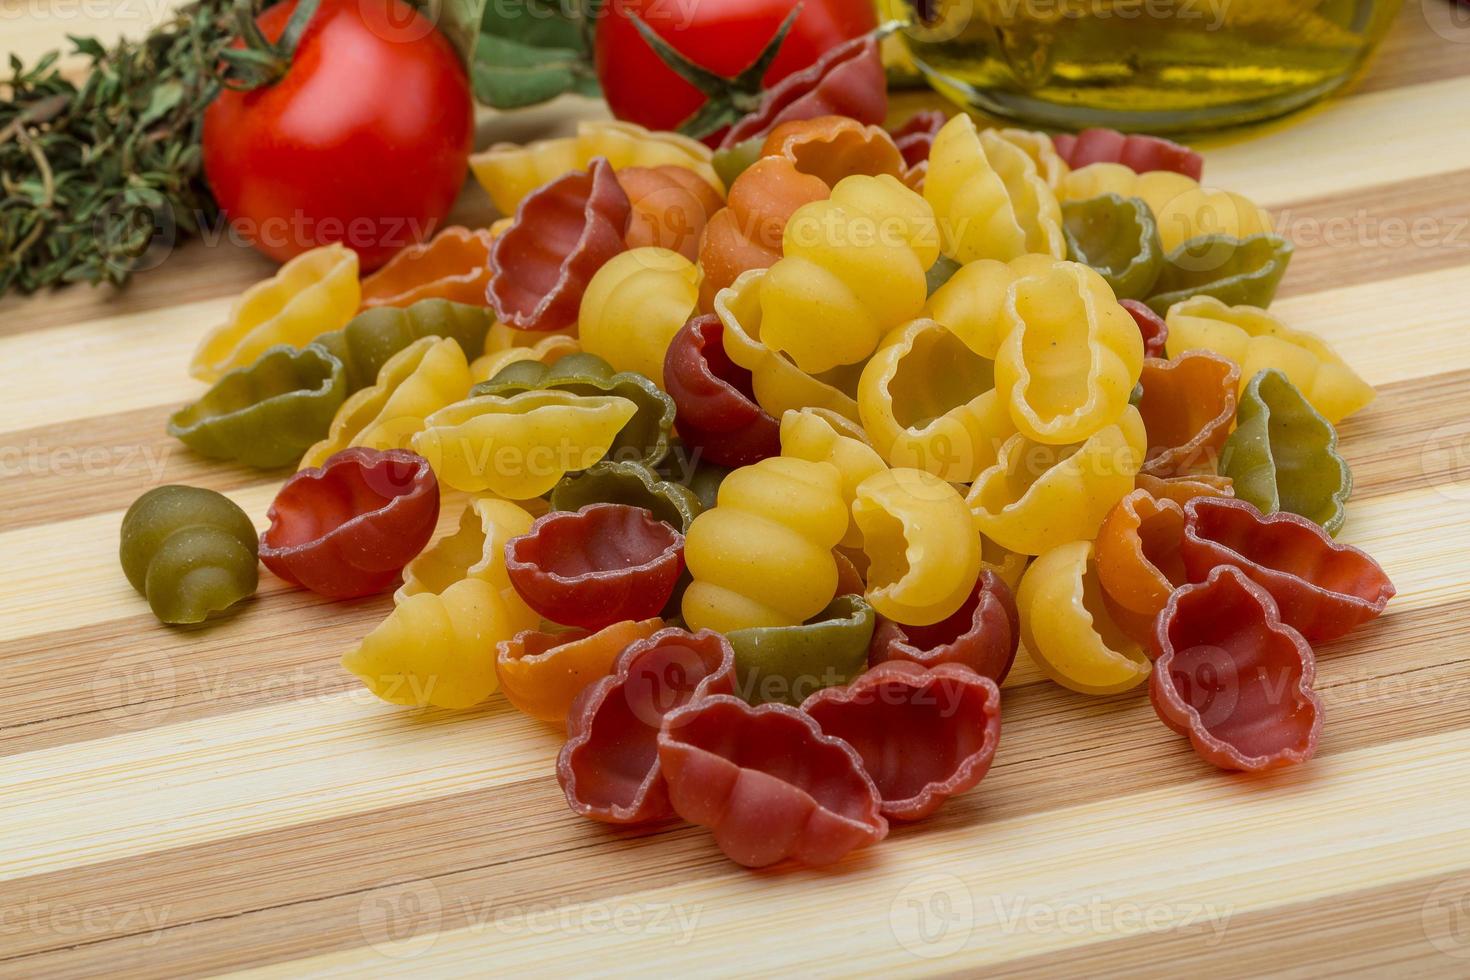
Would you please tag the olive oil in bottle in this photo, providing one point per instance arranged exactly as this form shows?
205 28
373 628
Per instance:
1140 65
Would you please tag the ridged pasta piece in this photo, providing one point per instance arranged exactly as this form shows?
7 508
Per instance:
1182 209
1067 629
436 649
778 384
763 555
519 447
671 206
1072 356
562 234
988 198
416 382
825 437
189 552
929 402
315 292
1257 341
923 551
633 307
852 269
453 265
1037 497
510 172
476 550
1283 455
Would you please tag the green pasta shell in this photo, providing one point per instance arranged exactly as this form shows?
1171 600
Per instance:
189 552
1236 271
688 467
632 483
269 413
787 663
1283 454
1118 238
941 272
733 161
645 437
375 335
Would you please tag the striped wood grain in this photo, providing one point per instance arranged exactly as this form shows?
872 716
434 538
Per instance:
209 799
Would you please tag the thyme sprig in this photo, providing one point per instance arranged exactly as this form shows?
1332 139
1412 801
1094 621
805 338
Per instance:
95 172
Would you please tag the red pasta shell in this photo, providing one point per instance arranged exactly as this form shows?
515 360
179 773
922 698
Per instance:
1188 406
982 634
603 564
610 767
562 234
347 528
924 733
768 783
846 81
1153 327
915 138
1233 678
1323 589
671 206
715 404
1138 153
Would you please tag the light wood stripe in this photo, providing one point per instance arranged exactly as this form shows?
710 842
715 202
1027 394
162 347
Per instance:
136 362
1368 932
1217 845
201 800
1325 150
518 843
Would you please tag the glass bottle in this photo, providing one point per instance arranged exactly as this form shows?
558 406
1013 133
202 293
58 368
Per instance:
1139 65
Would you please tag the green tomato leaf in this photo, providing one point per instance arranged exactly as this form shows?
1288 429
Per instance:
509 75
532 51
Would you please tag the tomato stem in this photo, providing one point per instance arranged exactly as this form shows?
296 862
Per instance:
258 62
727 99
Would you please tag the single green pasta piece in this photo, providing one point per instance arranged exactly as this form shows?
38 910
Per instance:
785 664
941 272
1116 236
269 413
1236 271
645 437
189 552
688 467
1283 454
731 162
632 483
375 335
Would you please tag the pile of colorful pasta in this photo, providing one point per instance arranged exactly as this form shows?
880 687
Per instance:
767 460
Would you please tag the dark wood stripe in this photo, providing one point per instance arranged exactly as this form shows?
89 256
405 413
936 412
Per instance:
511 846
1413 53
1370 234
1411 437
1391 930
114 457
1414 436
281 646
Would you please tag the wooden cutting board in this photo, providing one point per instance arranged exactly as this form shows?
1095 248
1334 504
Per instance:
209 799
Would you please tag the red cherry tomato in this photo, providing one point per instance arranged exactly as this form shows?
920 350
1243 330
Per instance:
365 140
723 36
